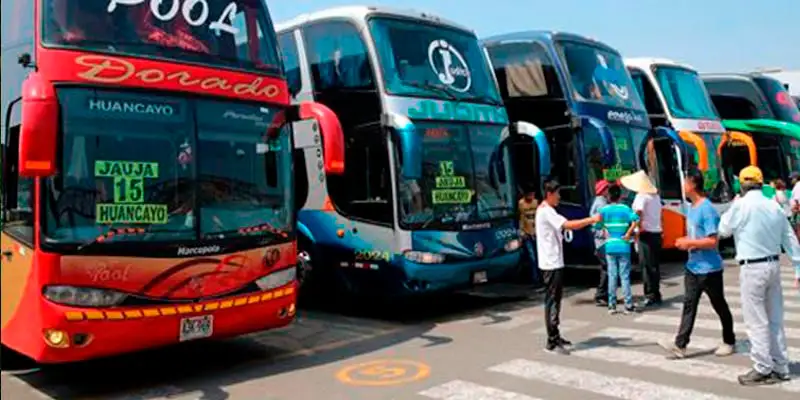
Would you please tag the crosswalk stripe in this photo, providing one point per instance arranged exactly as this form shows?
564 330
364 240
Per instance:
463 390
590 381
689 367
791 333
697 342
735 311
787 303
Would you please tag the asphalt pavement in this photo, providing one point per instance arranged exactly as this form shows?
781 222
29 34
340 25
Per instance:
483 346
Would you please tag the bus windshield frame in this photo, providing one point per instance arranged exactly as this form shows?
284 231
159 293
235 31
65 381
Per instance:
146 177
237 34
606 79
428 48
684 92
462 176
717 187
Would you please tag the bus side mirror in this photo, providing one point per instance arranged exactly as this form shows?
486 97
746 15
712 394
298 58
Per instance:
410 143
37 141
329 125
332 134
542 146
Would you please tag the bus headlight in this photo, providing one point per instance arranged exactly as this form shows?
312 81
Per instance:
512 245
277 279
83 297
423 257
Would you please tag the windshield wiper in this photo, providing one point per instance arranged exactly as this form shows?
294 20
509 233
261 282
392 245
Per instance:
265 227
433 87
114 232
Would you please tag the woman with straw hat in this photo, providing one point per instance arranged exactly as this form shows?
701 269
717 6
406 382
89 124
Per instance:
647 204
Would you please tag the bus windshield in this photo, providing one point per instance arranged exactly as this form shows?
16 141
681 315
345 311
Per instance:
685 93
167 169
466 178
715 182
599 75
232 33
419 59
780 101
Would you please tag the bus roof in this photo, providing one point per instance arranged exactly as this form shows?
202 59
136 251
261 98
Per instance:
647 62
362 12
547 36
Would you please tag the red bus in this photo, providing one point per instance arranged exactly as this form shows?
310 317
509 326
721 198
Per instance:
147 175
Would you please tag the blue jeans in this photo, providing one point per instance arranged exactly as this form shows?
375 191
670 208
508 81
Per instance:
530 248
619 267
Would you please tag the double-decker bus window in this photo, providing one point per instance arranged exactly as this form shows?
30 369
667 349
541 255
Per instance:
245 179
739 88
525 70
232 33
599 75
684 93
647 92
127 162
414 56
291 62
17 194
782 103
338 57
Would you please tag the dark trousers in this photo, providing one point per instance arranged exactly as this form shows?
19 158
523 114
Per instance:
694 286
649 255
554 284
602 288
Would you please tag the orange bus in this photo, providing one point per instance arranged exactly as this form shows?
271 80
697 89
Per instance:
147 175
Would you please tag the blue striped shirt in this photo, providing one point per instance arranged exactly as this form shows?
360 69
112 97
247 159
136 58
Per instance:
617 219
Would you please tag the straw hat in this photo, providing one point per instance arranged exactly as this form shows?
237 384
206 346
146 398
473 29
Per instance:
639 183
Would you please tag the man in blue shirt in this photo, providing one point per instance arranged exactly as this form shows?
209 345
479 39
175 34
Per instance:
703 273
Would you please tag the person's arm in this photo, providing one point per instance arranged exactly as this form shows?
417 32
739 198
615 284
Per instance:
710 223
634 224
577 224
791 245
731 220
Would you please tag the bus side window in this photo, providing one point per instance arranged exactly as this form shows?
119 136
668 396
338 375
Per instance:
648 93
291 62
18 193
743 89
338 57
365 191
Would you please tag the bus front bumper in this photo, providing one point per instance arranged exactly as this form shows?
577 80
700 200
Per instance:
73 334
431 278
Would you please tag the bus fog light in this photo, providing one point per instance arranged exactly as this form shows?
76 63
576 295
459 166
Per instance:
423 257
56 338
83 297
512 245
277 279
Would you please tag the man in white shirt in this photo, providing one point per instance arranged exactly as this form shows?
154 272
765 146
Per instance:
647 204
550 250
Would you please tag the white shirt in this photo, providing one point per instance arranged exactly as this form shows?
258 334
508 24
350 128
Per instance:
759 228
650 207
780 197
549 238
795 194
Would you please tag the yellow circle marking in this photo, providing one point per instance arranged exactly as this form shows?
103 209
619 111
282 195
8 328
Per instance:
383 373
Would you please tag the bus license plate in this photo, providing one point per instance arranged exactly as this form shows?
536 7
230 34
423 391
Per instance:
196 327
479 277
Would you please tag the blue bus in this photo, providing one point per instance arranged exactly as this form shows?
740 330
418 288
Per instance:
427 202
579 93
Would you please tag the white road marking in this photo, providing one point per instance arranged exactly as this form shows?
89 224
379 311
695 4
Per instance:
702 323
462 390
688 367
697 342
590 381
706 309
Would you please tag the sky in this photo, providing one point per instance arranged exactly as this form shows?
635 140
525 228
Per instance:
710 35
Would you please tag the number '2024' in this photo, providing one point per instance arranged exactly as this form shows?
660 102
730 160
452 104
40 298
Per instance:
189 7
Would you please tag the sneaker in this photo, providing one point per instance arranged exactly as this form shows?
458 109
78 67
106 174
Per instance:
556 349
755 378
779 377
601 302
612 310
629 310
673 349
724 350
652 303
564 342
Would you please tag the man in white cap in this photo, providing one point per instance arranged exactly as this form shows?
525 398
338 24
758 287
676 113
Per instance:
647 204
760 228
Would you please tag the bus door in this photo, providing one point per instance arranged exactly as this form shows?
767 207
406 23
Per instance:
664 156
530 158
736 150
